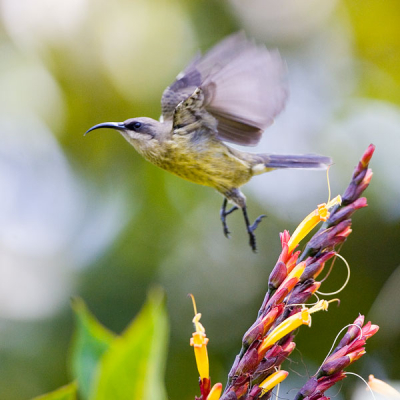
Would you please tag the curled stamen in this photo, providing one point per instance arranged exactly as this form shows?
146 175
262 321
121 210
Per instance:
367 383
329 183
334 342
346 281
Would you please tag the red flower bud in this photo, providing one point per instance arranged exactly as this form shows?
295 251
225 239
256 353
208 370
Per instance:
346 211
336 365
308 389
353 331
366 157
330 237
248 362
315 266
303 292
277 276
261 326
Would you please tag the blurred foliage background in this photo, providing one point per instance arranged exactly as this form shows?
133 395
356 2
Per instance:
88 216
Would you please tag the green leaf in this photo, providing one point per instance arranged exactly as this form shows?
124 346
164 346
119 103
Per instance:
67 392
133 367
91 341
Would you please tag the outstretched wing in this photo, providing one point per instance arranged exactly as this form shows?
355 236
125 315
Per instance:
242 84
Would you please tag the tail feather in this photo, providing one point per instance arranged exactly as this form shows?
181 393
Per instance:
296 161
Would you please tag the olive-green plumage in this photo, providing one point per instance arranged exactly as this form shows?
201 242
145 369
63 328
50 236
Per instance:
230 95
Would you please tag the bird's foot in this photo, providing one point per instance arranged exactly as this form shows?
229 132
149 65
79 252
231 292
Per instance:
250 231
250 227
223 214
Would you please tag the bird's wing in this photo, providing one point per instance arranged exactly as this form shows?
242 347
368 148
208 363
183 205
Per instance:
184 85
242 85
190 115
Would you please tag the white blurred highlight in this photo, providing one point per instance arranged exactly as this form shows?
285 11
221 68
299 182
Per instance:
138 58
361 393
47 225
30 22
285 20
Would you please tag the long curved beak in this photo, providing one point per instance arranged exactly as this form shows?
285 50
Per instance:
112 125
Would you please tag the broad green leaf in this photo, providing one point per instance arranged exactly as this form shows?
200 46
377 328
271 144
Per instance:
67 392
133 367
90 342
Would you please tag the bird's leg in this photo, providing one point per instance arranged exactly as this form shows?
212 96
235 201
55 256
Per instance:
239 199
251 228
224 213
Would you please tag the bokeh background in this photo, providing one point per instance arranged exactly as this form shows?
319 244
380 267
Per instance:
88 216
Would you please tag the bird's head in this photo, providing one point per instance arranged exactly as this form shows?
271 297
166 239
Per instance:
139 132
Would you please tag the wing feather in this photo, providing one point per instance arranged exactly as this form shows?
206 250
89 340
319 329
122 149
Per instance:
243 86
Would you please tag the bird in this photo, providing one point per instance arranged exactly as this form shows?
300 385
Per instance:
229 95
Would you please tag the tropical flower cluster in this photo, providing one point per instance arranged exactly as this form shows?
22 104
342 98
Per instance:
293 281
350 349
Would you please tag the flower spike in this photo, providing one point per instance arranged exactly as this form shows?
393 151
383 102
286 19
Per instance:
292 282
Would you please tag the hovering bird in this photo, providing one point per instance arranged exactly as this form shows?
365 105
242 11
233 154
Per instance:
231 94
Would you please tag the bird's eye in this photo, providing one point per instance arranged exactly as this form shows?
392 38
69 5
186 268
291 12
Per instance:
136 125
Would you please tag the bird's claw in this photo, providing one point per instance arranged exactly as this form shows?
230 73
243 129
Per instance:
227 232
256 222
223 214
252 236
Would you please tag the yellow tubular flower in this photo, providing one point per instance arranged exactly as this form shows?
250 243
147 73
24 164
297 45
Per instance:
199 341
311 221
215 392
287 326
273 380
303 317
297 271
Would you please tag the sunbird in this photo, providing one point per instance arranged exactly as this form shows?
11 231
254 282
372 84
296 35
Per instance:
231 94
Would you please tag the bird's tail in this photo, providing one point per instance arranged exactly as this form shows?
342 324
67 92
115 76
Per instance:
298 161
